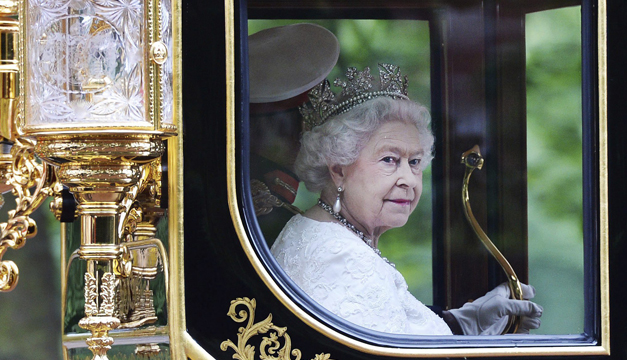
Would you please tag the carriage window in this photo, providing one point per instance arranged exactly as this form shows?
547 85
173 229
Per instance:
508 77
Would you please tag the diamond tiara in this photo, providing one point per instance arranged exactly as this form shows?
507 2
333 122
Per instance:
359 87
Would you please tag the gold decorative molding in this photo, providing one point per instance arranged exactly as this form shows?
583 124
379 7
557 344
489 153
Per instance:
270 346
91 293
137 145
107 292
84 173
141 207
144 255
99 321
147 350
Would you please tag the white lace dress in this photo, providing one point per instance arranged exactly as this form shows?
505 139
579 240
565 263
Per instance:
343 274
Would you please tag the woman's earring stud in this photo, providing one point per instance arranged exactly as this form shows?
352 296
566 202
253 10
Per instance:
337 206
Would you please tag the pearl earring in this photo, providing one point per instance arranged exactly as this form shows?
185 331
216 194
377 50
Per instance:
337 206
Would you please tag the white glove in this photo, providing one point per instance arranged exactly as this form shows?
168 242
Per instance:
488 315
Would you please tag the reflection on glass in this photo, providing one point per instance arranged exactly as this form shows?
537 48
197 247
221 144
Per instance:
364 43
364 147
554 151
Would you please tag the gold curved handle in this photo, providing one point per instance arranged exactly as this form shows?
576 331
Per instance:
473 160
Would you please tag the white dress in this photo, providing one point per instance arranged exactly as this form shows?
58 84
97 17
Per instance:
343 274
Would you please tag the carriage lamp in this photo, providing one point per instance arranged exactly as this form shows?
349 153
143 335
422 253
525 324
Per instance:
96 101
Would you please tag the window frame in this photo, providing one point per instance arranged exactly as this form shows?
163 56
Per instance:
595 339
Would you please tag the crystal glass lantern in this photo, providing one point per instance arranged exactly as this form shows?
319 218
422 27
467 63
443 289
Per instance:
96 66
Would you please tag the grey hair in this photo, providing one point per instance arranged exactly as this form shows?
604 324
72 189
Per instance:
340 140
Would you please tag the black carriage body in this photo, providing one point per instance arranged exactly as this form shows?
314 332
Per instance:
218 269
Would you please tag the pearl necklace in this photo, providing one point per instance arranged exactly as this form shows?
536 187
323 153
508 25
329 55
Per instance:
352 228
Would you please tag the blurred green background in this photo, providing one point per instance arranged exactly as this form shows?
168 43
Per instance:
30 316
554 168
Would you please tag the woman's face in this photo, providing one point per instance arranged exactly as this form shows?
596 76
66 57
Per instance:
382 188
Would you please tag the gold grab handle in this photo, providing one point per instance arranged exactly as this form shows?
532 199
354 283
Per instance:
473 160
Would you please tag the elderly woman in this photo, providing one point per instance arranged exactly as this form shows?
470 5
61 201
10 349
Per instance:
365 154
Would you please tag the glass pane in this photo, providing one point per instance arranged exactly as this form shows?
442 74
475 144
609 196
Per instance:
408 247
554 151
507 79
87 62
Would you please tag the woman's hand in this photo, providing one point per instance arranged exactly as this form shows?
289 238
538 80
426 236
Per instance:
488 315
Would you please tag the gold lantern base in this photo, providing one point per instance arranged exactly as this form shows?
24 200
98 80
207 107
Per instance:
102 171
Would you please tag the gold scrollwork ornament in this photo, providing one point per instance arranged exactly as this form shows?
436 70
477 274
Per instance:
142 252
25 172
270 346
